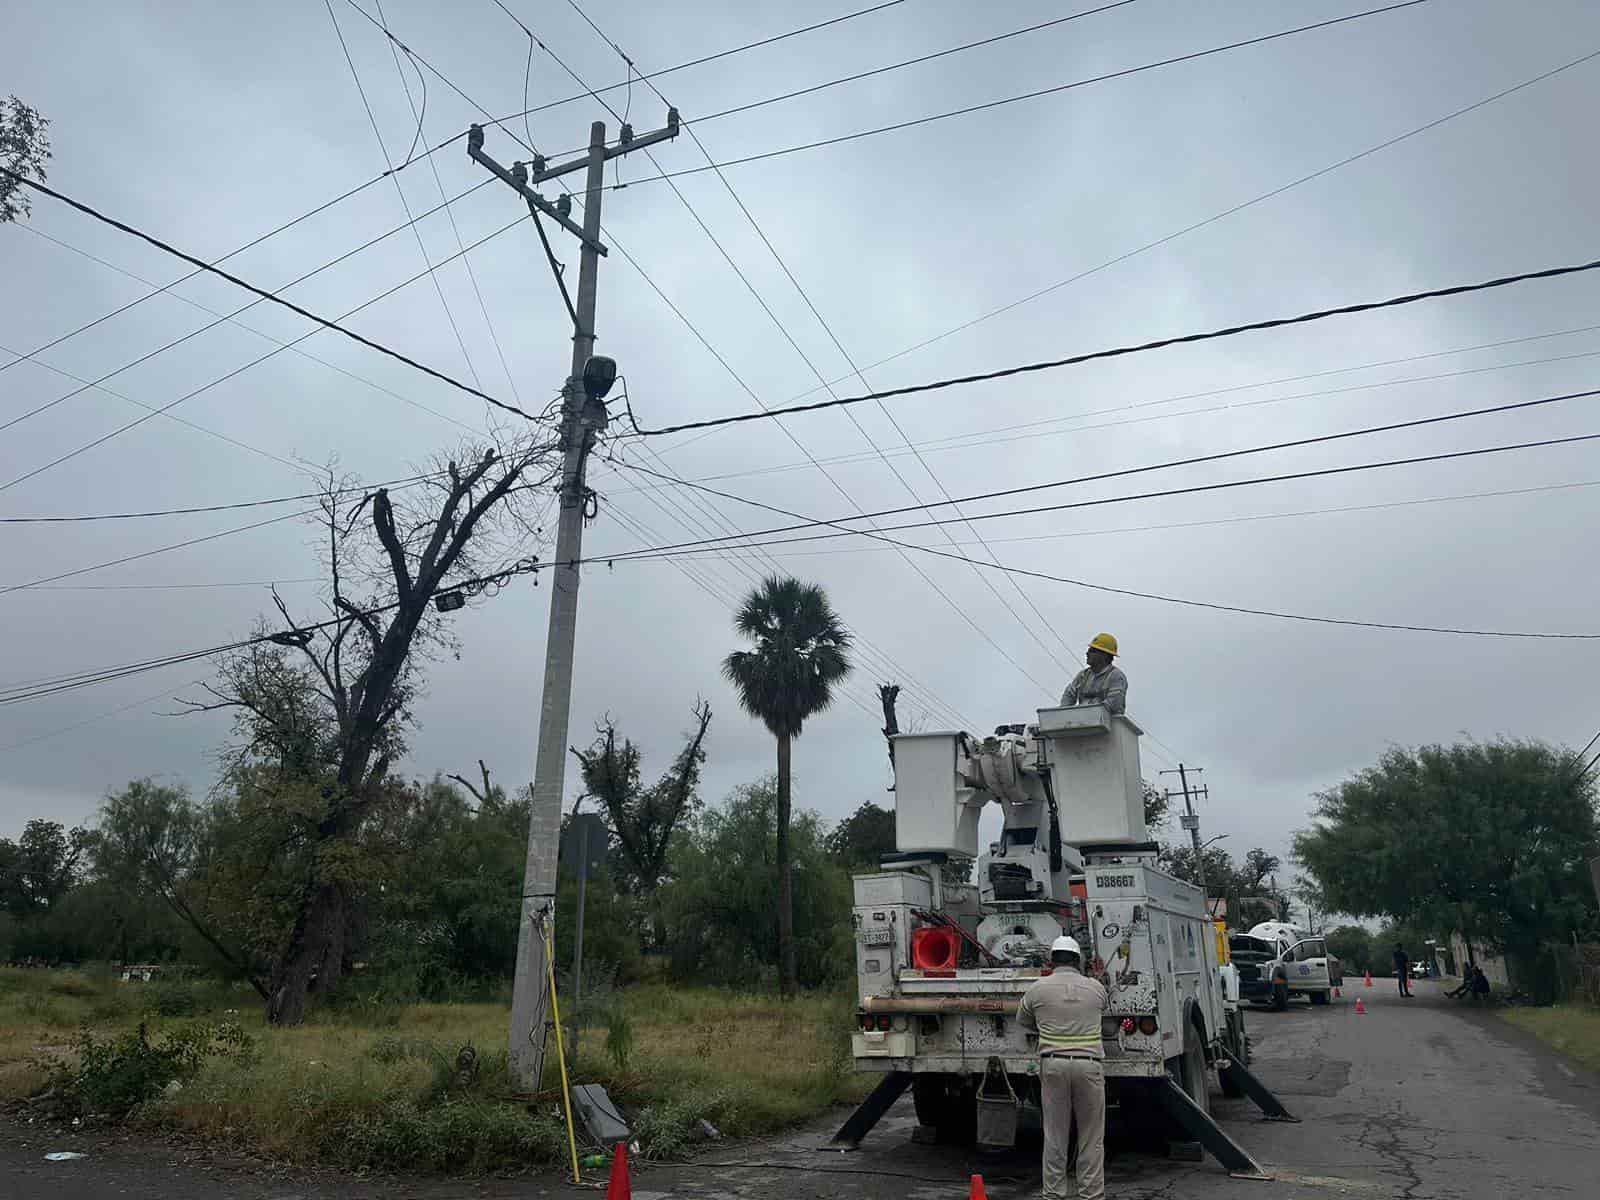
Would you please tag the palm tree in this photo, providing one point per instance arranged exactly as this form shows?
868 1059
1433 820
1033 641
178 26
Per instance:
800 654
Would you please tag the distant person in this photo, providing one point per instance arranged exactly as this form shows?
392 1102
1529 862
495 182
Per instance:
1402 968
1480 986
1100 682
1466 983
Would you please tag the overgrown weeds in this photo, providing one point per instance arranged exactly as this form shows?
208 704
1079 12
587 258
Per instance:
425 1087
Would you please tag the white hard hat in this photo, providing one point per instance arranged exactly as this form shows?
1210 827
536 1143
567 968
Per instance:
1065 944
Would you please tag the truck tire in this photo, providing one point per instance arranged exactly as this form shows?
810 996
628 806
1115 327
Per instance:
948 1105
1189 1071
1238 1047
1280 996
1320 997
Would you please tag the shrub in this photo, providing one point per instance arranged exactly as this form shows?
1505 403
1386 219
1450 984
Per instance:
118 1074
668 1128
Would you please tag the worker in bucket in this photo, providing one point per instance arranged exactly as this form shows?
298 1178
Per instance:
1100 682
1063 1009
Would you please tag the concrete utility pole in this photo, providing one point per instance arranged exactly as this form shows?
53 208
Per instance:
1190 820
583 417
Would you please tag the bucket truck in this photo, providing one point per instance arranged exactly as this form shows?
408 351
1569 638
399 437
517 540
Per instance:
942 965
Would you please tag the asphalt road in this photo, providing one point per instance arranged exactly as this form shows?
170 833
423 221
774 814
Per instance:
1416 1098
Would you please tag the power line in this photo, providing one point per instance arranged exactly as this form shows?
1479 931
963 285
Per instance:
789 274
194 333
171 587
1123 530
54 733
710 509
438 181
779 325
1179 600
992 104
1216 456
1120 351
210 508
189 395
18 693
270 296
1022 623
988 436
879 660
252 243
127 558
400 191
1221 215
596 93
875 71
150 408
232 320
1322 472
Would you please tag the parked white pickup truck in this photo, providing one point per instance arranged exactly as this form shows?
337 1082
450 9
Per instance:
1277 961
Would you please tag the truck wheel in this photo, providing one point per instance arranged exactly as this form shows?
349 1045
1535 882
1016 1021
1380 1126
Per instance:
948 1104
1280 997
1319 997
1188 1069
1239 1050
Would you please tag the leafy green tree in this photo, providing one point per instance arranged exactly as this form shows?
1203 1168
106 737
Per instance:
863 837
40 867
155 840
721 923
1353 946
1491 838
24 148
800 655
1157 806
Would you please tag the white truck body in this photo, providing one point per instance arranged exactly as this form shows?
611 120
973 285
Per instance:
1073 857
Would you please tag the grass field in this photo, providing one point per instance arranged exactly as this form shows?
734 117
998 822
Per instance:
380 1086
1572 1029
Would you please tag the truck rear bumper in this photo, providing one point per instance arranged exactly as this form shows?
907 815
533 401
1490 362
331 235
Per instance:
1121 1067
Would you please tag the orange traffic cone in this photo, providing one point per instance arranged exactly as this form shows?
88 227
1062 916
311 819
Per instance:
619 1186
1369 978
1361 1008
977 1192
1336 993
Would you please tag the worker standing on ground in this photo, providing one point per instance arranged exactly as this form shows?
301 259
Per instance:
1402 968
1064 1010
1099 682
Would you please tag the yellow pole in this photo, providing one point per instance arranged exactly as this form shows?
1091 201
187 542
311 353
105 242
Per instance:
561 1052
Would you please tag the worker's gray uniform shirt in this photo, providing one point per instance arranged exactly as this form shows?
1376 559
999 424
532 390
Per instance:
1088 686
1065 1010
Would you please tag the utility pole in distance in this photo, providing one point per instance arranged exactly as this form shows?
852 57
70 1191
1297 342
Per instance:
583 418
1190 820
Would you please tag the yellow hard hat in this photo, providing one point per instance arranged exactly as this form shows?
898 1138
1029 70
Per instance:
1104 641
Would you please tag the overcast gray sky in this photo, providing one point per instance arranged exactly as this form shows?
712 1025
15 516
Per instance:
209 124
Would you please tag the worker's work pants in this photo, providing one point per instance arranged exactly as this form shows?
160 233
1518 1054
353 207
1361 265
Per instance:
1074 1087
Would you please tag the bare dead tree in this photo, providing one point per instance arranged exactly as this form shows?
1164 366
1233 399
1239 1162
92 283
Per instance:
323 707
888 693
482 796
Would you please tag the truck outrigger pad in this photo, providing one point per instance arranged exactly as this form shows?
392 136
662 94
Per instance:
870 1112
1199 1125
1271 1107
